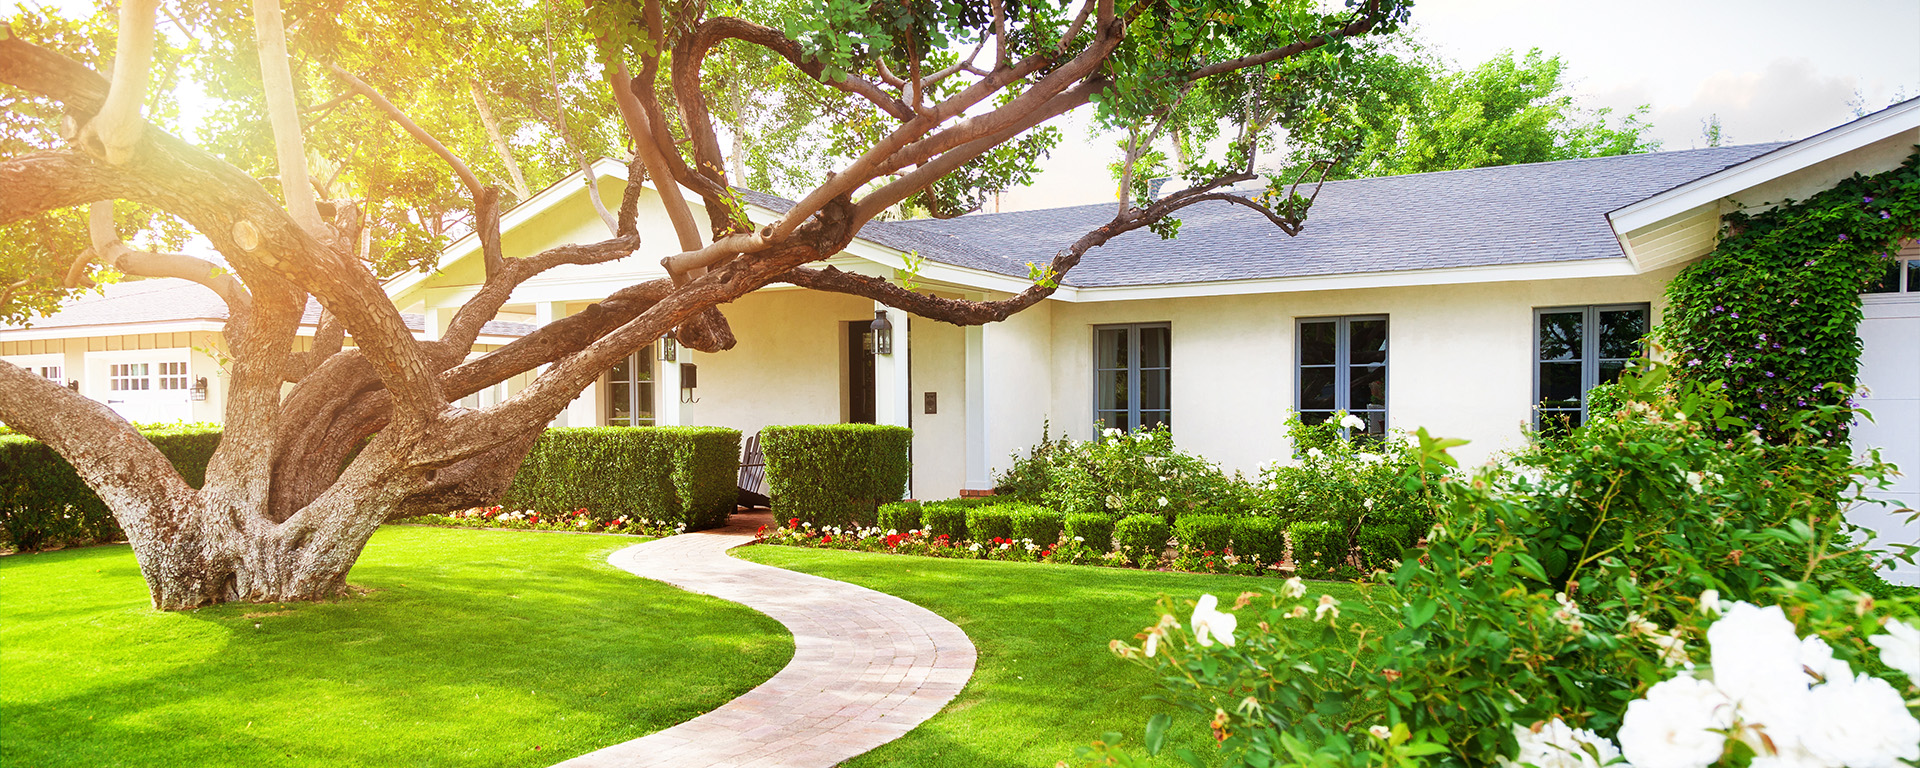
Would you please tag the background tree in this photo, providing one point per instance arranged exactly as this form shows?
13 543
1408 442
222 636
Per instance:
1405 110
288 502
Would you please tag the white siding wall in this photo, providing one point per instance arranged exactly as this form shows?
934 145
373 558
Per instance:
1890 370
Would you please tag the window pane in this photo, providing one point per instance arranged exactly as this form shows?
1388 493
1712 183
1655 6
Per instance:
1151 419
1610 370
1316 389
621 371
1560 385
1376 423
1111 348
1558 422
1369 341
1888 281
619 404
1113 391
644 417
1315 417
1620 332
1560 335
1369 388
1153 391
1913 276
1114 420
1154 343
1316 343
643 365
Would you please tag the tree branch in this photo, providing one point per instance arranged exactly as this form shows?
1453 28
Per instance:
413 129
113 132
283 113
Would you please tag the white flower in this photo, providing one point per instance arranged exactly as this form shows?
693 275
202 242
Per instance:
1315 453
1696 480
1351 421
1163 501
1153 642
1752 646
1860 723
1367 457
1294 587
1110 432
1900 648
1327 605
1676 725
1556 745
1141 437
1710 603
1817 658
1210 624
1380 731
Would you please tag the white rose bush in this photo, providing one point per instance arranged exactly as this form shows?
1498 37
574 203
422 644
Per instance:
1649 593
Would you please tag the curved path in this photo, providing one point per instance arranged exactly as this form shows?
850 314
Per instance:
867 667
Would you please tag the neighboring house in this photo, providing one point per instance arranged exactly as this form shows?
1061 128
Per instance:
153 351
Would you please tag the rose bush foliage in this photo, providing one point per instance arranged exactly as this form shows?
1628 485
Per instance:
1551 597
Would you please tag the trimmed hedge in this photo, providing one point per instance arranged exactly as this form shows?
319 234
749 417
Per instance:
1319 547
985 524
43 502
1142 538
1037 524
945 520
1380 544
1095 529
1262 537
687 475
835 474
1203 533
901 516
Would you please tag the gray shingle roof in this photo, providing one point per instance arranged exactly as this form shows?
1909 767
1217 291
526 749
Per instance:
168 300
908 236
1515 214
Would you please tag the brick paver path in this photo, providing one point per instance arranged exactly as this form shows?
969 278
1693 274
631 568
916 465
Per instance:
867 667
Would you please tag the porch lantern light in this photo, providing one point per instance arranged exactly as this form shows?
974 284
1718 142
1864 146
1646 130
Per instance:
669 349
882 333
198 393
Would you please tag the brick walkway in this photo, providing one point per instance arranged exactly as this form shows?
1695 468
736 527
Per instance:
867 667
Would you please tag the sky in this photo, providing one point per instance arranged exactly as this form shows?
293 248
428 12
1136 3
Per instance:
1771 70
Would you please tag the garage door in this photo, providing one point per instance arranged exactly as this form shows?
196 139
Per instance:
1890 370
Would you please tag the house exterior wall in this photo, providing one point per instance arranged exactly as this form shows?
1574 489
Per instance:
88 359
1890 372
789 366
938 362
1460 360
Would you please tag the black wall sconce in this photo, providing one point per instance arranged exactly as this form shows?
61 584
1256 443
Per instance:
882 333
73 384
198 393
689 379
669 349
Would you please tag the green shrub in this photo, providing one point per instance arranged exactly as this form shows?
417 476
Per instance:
1037 524
1094 529
943 519
1319 547
687 475
900 516
1121 474
1261 537
985 524
1142 538
835 474
1340 480
1203 533
44 503
1380 544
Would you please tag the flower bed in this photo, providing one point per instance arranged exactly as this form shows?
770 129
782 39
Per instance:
578 521
1067 550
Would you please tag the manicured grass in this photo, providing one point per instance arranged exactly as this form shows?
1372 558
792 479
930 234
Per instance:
1045 682
483 648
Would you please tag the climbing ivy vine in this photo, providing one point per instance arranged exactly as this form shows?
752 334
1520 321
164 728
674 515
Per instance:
1773 311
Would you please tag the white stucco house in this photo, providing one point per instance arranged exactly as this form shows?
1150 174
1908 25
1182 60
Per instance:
1467 302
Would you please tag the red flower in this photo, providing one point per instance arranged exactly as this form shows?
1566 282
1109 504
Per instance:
828 539
793 522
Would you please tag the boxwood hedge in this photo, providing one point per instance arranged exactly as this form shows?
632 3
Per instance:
835 474
672 474
43 502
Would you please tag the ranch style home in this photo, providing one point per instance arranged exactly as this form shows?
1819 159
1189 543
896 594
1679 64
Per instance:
1474 303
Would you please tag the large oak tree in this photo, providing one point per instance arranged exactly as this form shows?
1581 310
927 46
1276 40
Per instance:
944 87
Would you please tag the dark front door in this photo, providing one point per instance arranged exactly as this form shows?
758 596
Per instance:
859 373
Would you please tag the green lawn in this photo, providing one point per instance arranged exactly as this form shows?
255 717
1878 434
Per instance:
483 648
1045 682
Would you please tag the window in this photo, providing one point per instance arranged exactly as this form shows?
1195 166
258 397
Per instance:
128 377
1902 276
1133 376
630 391
1343 367
1577 349
173 375
50 372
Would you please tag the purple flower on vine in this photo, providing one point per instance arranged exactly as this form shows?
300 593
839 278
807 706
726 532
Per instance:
1763 337
1807 263
1796 302
1736 315
1749 361
1867 200
1763 406
1694 362
1883 214
1719 308
1776 345
1769 374
1843 238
